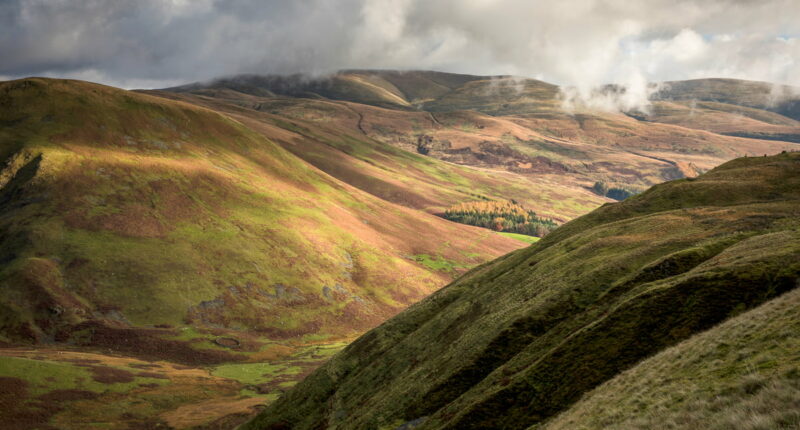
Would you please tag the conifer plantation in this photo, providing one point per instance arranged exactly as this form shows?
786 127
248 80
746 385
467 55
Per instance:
504 215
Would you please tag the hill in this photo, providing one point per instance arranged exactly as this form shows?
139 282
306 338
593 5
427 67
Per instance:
732 107
518 341
141 227
380 88
365 146
781 99
178 257
512 124
740 374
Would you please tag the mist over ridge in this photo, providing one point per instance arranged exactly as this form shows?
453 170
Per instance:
579 44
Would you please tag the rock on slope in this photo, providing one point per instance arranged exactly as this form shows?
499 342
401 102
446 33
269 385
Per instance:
517 341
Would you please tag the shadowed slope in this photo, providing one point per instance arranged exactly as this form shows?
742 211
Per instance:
741 374
380 88
516 341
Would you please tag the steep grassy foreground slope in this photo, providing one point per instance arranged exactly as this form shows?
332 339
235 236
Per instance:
743 374
517 341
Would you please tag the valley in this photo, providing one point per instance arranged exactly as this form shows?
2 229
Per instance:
655 311
180 258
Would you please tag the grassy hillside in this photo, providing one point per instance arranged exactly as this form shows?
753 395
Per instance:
139 226
517 341
220 227
242 232
756 110
781 99
499 96
369 148
744 374
514 125
375 87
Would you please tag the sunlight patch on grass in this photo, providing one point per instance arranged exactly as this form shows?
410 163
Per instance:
520 237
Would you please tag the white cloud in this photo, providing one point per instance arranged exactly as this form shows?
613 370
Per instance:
578 43
686 46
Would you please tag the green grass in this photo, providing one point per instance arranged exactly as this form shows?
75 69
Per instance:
254 373
207 211
322 350
45 376
259 373
517 341
521 237
741 374
437 263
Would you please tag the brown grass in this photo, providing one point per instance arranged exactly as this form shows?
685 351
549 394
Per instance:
203 412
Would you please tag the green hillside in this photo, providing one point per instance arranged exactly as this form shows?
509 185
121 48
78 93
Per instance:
744 373
365 146
383 131
500 96
432 91
178 258
517 341
125 216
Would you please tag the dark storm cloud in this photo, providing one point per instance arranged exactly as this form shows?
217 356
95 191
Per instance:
141 43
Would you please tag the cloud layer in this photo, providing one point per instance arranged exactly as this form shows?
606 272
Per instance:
579 43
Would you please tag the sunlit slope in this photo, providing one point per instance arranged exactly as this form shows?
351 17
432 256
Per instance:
371 148
757 110
514 125
120 209
517 341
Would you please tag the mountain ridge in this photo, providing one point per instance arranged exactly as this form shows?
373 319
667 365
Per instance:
554 152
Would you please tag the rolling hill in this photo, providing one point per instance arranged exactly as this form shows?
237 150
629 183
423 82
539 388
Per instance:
337 138
213 218
178 257
740 374
519 125
758 110
517 342
152 229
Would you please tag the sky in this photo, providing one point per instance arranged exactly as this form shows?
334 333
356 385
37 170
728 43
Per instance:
577 43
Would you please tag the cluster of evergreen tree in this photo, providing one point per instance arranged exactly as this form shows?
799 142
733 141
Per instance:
502 215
